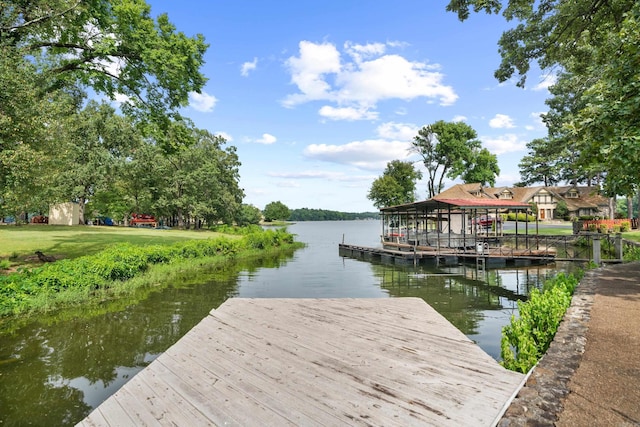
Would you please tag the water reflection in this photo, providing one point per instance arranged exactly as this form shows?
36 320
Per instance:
54 369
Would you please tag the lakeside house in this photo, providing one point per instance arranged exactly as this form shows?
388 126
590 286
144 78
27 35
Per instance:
466 216
580 200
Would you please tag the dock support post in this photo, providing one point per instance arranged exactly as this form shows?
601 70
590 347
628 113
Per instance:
596 249
618 246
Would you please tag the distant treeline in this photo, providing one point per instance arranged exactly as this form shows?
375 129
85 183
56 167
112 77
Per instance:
306 214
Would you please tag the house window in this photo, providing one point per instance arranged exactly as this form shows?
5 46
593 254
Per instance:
506 195
573 194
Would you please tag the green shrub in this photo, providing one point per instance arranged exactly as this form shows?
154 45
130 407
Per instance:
527 338
625 226
603 228
631 253
119 263
592 228
521 216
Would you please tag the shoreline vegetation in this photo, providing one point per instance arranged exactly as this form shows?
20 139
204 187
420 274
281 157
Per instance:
124 267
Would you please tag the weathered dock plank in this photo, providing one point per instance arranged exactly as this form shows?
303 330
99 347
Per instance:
289 362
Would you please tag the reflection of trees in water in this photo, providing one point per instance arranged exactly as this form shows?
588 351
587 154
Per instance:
461 293
38 360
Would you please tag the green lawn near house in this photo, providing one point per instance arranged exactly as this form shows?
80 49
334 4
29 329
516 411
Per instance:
19 243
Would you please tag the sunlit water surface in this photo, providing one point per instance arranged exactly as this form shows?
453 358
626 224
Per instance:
55 369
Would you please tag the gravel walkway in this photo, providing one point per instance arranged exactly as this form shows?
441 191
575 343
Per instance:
591 374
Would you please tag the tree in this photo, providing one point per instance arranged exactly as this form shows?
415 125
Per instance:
449 149
482 168
248 215
98 142
113 46
550 32
540 163
200 181
276 211
396 186
592 47
31 130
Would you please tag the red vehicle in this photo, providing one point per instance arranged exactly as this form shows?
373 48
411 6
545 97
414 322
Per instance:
486 221
143 220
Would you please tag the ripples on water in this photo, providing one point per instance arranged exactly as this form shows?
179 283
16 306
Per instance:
55 369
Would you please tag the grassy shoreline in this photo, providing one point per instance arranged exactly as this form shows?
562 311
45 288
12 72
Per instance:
124 268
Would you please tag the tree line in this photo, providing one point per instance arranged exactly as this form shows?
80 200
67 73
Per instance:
447 149
56 146
590 50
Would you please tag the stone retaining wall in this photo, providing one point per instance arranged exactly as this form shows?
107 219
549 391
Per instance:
540 400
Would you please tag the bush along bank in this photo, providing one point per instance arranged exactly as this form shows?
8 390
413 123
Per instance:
527 338
74 280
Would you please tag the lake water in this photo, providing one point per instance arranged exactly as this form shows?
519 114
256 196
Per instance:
55 369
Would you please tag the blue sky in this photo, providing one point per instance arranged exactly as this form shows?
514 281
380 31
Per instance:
319 96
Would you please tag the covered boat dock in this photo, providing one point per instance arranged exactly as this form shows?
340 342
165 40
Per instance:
452 230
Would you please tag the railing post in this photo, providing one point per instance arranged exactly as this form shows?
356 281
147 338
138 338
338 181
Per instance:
596 249
618 246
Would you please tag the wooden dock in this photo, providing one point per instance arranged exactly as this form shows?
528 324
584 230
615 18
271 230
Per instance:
316 362
404 254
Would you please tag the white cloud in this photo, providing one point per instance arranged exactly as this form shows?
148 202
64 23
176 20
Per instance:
248 66
503 144
397 131
364 77
459 118
202 102
347 113
369 155
308 69
331 176
121 98
537 119
225 135
287 184
546 81
266 139
359 52
501 121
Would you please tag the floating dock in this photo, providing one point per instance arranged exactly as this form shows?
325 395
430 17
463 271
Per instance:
293 362
404 254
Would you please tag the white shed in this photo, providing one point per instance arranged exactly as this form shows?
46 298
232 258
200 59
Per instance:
64 214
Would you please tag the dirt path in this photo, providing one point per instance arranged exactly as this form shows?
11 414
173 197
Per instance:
605 389
590 376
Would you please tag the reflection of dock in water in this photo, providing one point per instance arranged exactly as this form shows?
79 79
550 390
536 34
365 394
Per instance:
290 362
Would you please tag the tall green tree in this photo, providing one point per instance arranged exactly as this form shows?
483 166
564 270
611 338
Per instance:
452 150
274 211
592 46
199 182
115 47
482 167
396 186
99 141
540 165
550 32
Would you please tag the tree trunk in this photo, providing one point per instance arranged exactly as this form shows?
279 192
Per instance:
629 207
81 211
612 207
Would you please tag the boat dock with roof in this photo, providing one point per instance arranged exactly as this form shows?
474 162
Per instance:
452 230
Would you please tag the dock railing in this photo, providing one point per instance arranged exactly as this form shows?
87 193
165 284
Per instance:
578 247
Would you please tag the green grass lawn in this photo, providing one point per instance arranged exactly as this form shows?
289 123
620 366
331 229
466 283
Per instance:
18 243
